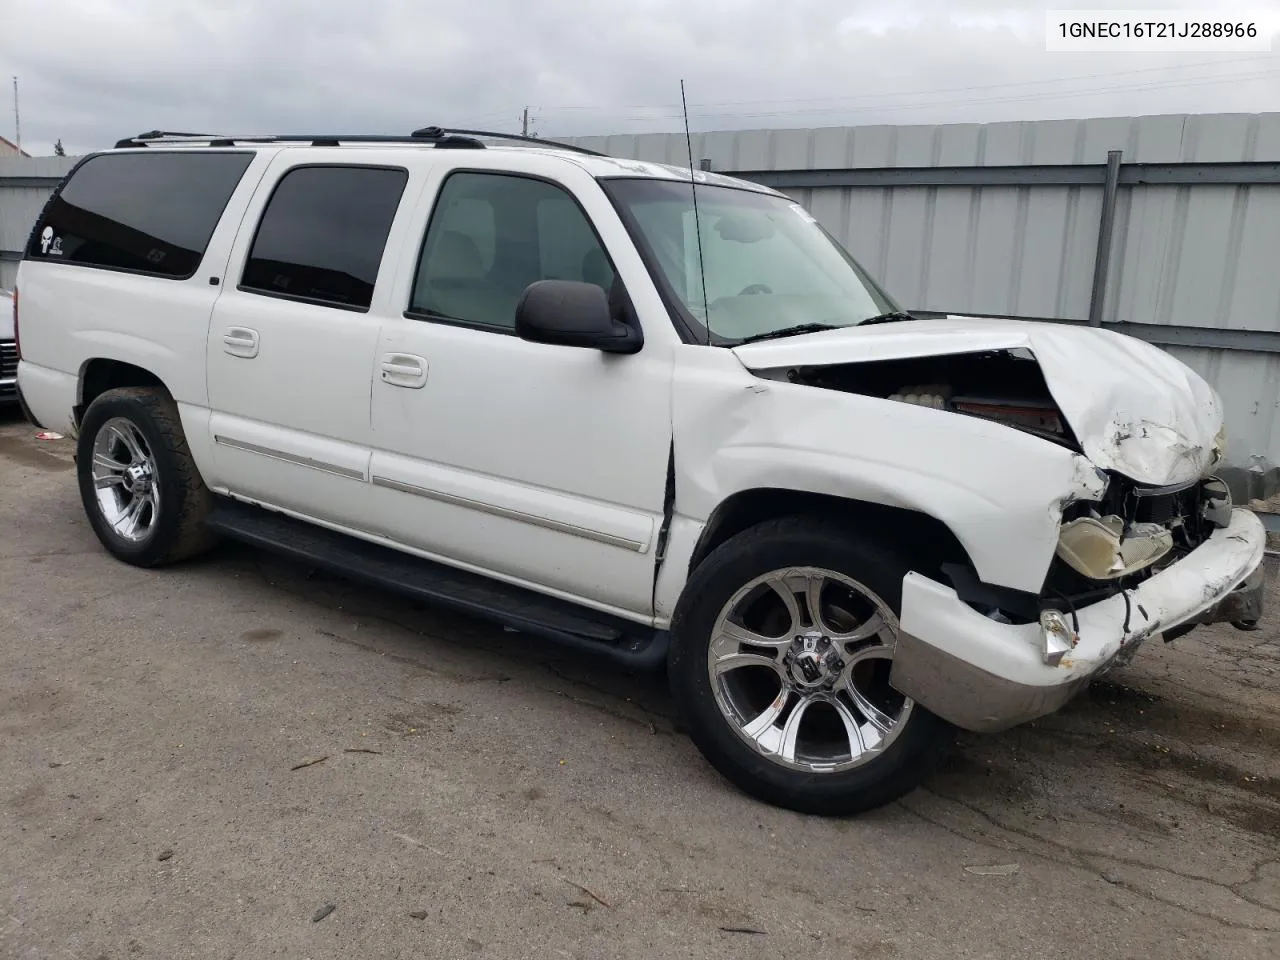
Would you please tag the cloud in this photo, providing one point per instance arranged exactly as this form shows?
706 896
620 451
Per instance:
95 70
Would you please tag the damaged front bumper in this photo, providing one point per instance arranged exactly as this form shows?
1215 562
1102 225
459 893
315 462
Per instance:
984 675
1242 607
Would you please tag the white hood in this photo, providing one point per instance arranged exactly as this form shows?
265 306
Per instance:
1134 408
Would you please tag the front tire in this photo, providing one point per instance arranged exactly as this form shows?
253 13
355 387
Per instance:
139 485
782 645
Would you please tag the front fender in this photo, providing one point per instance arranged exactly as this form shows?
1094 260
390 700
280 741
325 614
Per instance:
999 491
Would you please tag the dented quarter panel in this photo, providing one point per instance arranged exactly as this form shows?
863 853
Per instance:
1135 409
1000 491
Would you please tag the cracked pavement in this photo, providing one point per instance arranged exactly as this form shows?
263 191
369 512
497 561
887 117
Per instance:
483 794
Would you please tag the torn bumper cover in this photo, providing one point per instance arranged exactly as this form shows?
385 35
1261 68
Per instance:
983 675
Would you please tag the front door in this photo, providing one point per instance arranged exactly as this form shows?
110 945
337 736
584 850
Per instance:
540 464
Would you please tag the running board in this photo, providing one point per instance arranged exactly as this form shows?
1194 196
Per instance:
598 634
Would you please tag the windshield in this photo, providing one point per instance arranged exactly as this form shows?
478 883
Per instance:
765 263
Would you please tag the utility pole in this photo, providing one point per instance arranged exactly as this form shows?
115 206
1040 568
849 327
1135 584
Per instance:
524 127
17 119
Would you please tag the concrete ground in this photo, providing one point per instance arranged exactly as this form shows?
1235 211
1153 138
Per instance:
485 795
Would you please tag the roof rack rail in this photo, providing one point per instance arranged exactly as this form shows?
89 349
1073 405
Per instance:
431 132
437 136
315 139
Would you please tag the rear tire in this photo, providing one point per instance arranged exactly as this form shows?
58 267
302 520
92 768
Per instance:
139 485
793 708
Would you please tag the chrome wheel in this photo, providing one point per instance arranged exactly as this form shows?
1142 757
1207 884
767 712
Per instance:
799 661
125 480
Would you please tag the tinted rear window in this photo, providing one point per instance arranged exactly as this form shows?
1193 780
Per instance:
323 233
142 212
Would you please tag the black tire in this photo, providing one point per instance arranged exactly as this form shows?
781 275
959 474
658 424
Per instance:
176 530
778 544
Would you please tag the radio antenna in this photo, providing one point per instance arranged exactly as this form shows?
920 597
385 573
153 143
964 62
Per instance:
697 223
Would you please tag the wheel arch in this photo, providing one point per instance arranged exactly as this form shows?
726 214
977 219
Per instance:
923 535
100 374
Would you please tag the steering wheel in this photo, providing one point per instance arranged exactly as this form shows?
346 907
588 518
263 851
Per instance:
755 288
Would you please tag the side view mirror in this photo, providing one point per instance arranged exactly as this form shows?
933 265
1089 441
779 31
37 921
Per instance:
573 314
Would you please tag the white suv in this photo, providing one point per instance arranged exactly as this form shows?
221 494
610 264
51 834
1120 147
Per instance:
648 412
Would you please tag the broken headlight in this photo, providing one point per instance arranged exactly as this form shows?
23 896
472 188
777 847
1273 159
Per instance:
1103 548
1058 637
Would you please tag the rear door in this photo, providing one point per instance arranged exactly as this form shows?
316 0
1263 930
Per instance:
293 335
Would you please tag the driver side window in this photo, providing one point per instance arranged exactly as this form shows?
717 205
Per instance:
490 236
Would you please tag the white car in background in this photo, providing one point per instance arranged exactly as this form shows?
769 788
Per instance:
8 351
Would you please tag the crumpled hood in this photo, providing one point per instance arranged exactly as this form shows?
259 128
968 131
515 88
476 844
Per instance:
1134 408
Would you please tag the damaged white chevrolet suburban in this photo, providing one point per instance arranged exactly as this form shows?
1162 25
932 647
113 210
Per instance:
656 415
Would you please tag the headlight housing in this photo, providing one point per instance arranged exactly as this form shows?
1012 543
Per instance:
1101 548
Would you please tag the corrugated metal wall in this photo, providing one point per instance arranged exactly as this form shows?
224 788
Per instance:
25 184
1202 255
1187 257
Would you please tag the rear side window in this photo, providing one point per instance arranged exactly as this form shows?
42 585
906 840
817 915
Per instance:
147 213
323 233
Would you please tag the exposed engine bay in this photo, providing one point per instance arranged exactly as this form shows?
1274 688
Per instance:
1106 546
1006 386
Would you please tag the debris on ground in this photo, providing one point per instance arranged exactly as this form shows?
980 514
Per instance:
309 762
994 870
164 855
595 897
323 912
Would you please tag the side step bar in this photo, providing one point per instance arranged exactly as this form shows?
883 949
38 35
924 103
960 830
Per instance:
629 644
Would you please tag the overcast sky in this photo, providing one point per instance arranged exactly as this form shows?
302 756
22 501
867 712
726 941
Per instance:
91 71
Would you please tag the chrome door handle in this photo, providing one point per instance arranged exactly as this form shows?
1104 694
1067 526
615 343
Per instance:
404 370
240 342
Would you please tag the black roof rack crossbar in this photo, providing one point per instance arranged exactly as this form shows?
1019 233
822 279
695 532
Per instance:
432 132
439 136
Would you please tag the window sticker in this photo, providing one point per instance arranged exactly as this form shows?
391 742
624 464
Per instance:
49 244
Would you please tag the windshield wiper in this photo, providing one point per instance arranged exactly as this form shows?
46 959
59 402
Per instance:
893 317
790 331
